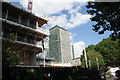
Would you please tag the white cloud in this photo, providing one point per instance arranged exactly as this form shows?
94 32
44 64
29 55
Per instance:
68 20
47 7
75 20
73 10
78 19
72 35
58 20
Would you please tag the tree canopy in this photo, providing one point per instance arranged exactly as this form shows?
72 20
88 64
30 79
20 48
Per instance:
110 50
91 58
107 50
9 56
107 17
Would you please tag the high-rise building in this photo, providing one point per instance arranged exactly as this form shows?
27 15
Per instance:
27 30
59 45
77 50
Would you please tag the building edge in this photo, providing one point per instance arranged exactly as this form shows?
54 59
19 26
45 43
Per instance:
0 42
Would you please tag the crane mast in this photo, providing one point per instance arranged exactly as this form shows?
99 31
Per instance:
30 5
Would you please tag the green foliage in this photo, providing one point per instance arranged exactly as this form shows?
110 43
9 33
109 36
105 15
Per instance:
91 55
82 59
110 50
107 17
9 56
107 51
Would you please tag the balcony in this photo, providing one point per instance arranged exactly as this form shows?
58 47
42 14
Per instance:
3 15
10 18
24 24
32 25
19 38
24 41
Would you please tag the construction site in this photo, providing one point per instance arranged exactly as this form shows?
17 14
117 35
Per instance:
33 41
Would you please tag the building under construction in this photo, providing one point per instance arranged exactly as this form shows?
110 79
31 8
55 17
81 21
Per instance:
27 29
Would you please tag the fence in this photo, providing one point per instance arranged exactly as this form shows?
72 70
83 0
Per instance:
40 73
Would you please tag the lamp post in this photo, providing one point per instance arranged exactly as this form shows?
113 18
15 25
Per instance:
44 59
85 58
89 64
97 63
43 51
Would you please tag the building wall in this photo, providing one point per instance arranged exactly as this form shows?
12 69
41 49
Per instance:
54 45
65 46
77 50
60 48
24 26
59 45
0 51
76 61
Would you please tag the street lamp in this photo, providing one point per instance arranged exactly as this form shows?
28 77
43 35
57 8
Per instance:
85 58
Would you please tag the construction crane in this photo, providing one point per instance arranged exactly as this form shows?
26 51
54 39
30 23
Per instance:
30 5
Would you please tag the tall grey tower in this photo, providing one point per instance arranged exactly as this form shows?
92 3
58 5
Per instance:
59 45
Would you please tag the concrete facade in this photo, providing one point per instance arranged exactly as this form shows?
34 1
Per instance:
54 45
59 46
27 30
76 52
65 46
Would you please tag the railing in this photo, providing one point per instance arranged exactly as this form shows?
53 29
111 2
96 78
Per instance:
30 41
12 19
32 25
19 38
3 15
23 39
50 73
24 23
43 30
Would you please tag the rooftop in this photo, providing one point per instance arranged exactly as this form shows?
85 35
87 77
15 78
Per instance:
16 9
58 27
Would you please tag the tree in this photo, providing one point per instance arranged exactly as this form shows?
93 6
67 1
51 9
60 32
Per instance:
9 56
91 56
107 17
110 50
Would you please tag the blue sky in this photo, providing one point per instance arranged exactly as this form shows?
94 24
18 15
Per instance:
69 15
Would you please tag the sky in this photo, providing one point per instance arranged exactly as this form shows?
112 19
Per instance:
69 14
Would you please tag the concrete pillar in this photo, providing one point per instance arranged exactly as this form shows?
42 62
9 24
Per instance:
16 36
19 21
7 14
37 25
25 38
33 59
28 22
1 32
43 47
24 58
